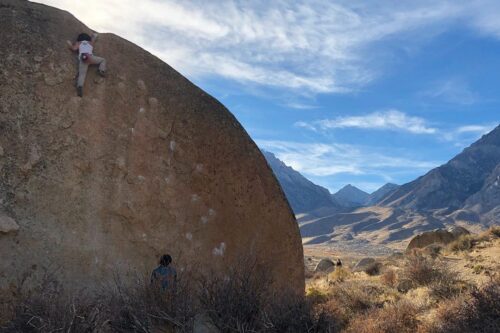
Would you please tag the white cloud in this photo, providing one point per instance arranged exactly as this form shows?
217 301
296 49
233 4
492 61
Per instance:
481 129
463 136
320 159
303 46
382 120
453 90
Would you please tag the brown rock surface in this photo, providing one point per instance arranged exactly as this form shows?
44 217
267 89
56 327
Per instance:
145 163
431 237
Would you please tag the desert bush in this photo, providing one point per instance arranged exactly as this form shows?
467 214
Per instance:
463 243
389 278
292 313
477 311
478 269
116 307
316 295
423 271
339 275
351 298
494 231
400 317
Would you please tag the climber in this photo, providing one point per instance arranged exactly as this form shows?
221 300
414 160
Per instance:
164 276
85 45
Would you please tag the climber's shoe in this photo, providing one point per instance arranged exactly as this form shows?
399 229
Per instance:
79 91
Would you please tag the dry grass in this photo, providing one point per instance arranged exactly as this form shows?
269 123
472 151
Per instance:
494 232
389 278
400 317
463 243
340 274
477 311
243 300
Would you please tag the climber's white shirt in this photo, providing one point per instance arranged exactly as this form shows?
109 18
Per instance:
85 47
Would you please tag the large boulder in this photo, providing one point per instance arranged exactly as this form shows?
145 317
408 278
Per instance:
431 237
145 163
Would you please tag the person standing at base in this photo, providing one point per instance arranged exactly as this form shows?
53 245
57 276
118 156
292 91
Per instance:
164 276
85 46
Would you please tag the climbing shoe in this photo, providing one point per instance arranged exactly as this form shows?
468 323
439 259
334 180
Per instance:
79 91
102 73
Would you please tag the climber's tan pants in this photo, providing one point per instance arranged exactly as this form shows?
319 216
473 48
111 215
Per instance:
84 66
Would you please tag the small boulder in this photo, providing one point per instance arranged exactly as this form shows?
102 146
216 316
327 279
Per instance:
364 264
7 224
325 265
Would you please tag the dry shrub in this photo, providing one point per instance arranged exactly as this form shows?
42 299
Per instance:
351 298
494 231
478 311
423 271
315 295
463 243
389 278
117 308
339 275
292 313
233 300
400 317
242 301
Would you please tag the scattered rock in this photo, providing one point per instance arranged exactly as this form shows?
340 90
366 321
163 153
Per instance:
7 224
325 265
363 264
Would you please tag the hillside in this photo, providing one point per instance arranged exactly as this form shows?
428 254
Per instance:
464 191
379 194
303 195
351 196
448 187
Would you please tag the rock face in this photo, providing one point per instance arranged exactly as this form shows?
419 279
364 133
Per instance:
145 163
303 195
431 237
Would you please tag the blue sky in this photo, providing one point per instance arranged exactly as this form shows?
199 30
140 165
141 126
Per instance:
358 92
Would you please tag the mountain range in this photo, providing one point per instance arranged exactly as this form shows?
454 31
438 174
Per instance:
464 191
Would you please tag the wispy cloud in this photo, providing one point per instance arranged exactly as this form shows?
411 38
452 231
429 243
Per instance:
463 136
382 120
454 91
321 159
308 47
